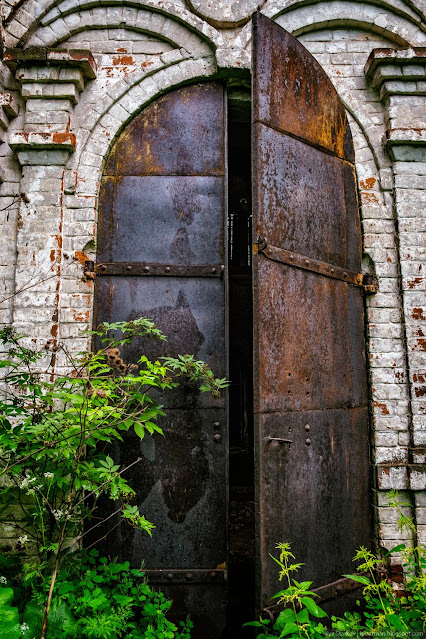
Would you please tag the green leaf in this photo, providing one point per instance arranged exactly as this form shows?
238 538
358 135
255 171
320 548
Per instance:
139 430
359 578
61 622
289 628
285 616
313 608
10 628
150 426
33 618
303 616
6 597
303 585
398 548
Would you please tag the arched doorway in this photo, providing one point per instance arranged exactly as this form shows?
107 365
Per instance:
299 435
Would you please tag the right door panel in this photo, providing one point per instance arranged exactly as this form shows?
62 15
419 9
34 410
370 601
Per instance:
310 386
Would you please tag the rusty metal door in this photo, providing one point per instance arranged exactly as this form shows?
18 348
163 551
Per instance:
311 417
161 255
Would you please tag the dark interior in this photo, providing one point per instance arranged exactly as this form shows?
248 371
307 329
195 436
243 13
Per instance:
241 470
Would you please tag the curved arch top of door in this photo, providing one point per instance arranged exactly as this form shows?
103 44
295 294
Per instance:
162 254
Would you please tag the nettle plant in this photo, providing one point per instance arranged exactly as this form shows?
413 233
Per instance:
55 431
385 611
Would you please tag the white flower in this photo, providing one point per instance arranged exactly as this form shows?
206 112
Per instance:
58 514
24 627
3 580
23 540
49 475
27 481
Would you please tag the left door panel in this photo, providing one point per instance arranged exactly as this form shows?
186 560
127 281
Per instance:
161 254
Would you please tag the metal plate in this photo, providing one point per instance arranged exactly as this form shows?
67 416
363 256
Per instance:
312 492
181 133
310 341
207 603
189 311
180 489
293 92
307 200
162 219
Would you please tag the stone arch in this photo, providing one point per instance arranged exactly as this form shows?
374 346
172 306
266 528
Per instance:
403 28
24 25
363 11
138 20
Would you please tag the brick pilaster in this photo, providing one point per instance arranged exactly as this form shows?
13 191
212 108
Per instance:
50 81
400 78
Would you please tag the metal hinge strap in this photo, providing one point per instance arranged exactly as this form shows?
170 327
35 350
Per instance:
308 264
147 268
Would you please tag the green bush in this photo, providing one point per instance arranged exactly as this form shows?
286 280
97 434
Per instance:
93 599
55 432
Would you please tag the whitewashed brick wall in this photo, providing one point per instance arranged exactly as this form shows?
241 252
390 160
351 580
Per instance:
63 121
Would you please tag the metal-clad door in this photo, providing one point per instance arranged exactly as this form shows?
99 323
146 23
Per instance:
161 255
311 416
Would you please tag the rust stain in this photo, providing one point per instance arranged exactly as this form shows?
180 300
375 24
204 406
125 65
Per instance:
64 138
414 282
123 60
369 198
419 332
418 314
80 316
421 345
420 391
368 183
121 50
383 408
81 257
20 222
419 377
147 63
347 469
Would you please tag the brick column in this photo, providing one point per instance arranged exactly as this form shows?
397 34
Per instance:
9 204
50 82
400 78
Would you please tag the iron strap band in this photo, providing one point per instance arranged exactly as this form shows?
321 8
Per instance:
308 264
171 270
179 576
